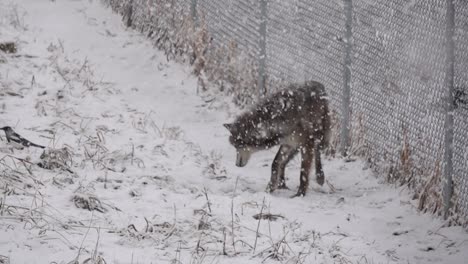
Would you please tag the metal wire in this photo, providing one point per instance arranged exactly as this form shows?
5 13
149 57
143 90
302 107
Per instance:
397 78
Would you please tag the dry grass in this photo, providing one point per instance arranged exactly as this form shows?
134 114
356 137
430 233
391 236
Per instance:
12 15
88 202
357 142
405 168
4 259
57 159
214 168
24 181
219 68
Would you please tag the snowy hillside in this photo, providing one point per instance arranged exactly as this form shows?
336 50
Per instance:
138 167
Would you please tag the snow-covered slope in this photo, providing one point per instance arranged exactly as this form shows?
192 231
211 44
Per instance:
153 177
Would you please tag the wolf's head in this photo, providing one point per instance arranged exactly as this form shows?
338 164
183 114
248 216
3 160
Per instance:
239 138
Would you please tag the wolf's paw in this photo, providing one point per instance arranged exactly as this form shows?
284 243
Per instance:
271 187
299 193
320 179
282 185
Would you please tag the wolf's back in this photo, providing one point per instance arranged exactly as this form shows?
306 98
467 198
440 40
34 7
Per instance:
299 106
318 110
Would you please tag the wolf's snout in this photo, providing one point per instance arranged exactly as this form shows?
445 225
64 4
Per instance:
242 158
240 162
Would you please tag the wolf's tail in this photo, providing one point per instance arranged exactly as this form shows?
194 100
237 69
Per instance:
326 125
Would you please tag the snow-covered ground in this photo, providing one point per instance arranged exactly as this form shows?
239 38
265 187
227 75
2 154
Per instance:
153 177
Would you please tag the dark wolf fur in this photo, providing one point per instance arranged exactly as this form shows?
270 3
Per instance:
296 118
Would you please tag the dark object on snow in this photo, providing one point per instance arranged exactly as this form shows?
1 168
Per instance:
340 200
88 202
400 232
13 137
4 260
429 248
269 217
56 159
8 47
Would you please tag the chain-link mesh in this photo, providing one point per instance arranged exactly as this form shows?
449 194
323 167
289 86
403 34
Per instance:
398 89
321 39
398 72
460 157
232 20
399 76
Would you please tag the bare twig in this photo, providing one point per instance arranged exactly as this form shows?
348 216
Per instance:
84 238
208 203
224 242
171 232
232 215
258 225
97 244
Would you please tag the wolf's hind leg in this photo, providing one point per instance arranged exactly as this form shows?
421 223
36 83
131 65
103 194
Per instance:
306 164
319 175
284 155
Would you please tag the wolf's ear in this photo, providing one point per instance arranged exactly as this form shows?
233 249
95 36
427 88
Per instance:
229 127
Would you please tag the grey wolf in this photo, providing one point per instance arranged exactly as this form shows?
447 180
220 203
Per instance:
296 118
13 137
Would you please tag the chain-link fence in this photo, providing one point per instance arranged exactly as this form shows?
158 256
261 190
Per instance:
396 72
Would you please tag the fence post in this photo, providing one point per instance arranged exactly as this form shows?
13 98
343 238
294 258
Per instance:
262 48
449 106
346 100
193 11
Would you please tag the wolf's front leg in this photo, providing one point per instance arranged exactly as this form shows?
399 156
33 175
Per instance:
319 175
284 155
